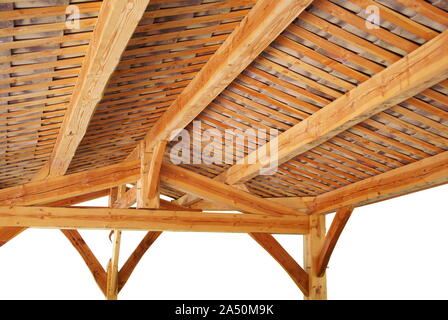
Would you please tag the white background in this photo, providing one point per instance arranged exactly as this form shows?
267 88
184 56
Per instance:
391 250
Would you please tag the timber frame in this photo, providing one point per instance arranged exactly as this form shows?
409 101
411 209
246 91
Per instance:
356 110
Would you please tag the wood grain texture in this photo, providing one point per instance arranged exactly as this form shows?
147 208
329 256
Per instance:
331 239
130 264
116 23
146 219
421 69
95 267
264 22
193 183
312 244
294 270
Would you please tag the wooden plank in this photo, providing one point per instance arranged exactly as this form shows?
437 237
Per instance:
95 267
8 233
420 175
117 21
264 22
63 187
332 237
130 264
302 204
112 267
312 243
210 189
423 68
149 219
148 193
294 270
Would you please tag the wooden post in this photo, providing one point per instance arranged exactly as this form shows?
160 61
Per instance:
112 268
313 243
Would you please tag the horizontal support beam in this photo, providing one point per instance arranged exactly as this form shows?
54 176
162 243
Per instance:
147 219
420 175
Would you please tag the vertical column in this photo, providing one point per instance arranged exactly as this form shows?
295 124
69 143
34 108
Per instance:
313 243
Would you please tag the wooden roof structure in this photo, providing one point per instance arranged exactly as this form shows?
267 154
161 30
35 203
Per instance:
91 91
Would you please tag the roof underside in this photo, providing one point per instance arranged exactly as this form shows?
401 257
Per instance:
327 51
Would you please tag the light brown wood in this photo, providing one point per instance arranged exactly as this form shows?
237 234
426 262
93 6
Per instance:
149 219
264 22
294 270
421 175
95 267
130 264
313 243
8 233
112 267
421 69
148 193
210 189
63 187
332 237
116 23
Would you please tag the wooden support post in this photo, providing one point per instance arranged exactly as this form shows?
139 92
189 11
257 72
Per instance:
148 195
112 268
313 243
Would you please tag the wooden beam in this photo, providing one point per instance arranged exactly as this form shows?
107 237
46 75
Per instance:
420 175
148 195
78 199
8 233
116 23
332 237
95 267
112 267
130 265
301 204
294 270
421 69
312 244
210 189
63 187
264 22
149 219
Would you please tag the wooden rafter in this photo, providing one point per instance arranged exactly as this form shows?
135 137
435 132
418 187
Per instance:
149 219
148 195
201 186
332 237
116 23
421 69
264 22
312 244
294 270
